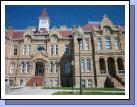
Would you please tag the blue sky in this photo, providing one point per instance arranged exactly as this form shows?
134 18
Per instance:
22 16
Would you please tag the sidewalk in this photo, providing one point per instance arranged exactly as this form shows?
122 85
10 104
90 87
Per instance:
40 91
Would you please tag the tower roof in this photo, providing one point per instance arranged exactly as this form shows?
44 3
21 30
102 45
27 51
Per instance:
44 13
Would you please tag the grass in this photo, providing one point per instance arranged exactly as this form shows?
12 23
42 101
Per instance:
70 88
87 93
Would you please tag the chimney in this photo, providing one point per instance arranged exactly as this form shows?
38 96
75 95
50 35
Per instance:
74 28
10 30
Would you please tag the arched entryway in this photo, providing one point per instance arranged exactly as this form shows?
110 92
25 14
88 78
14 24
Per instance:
102 65
39 68
111 67
120 65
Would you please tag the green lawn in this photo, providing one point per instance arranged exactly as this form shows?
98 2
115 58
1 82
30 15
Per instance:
87 93
70 88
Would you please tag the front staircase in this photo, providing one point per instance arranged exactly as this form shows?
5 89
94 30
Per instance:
117 82
37 80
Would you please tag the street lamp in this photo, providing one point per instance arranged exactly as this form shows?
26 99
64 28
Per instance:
80 35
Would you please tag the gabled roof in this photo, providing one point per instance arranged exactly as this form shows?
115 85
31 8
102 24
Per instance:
89 26
17 34
44 13
65 33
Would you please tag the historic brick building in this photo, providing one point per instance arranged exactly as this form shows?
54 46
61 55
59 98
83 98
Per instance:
50 57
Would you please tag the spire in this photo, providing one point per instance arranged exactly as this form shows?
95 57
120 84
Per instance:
44 13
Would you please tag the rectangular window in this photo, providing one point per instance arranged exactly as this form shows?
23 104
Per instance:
51 67
23 67
99 43
11 82
67 49
51 50
85 65
51 83
117 45
108 43
88 65
56 83
82 65
56 67
24 50
28 50
83 83
27 67
21 82
15 49
56 49
86 44
89 83
81 45
12 68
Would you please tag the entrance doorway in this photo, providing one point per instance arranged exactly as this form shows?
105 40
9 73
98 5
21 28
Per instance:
39 71
111 67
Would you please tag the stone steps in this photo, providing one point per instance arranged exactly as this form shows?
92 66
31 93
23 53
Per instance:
116 82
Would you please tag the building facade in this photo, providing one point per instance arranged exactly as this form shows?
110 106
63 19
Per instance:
50 57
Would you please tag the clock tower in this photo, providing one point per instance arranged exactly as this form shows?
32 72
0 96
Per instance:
44 21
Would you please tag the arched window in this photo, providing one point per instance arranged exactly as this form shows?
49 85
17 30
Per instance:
67 67
102 65
54 38
67 49
27 38
106 29
120 65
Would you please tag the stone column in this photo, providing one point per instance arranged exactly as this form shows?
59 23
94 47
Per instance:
112 43
26 67
33 69
86 83
106 66
124 64
97 67
59 76
103 43
116 66
45 76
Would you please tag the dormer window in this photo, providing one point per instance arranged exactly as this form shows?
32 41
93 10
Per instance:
27 39
106 30
54 38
